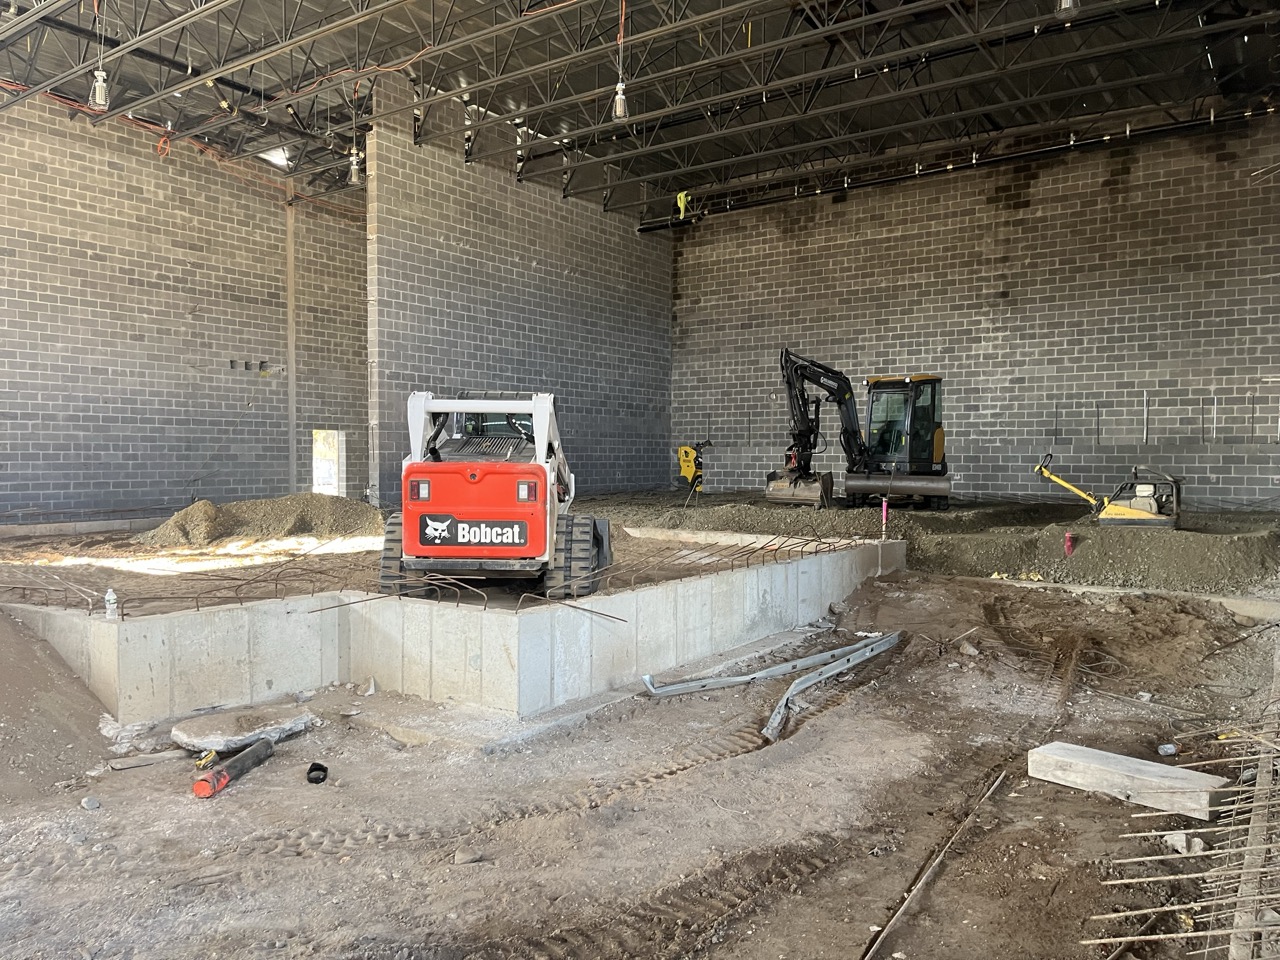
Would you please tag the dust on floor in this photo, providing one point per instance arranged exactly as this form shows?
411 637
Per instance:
653 828
668 828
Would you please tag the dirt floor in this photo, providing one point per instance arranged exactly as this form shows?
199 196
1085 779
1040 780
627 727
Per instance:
647 827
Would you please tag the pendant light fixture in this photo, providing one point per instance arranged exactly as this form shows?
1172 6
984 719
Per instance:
620 91
99 96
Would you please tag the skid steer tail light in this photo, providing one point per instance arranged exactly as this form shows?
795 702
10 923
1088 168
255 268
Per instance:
419 489
526 491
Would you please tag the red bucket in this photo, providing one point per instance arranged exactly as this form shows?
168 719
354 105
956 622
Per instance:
1069 544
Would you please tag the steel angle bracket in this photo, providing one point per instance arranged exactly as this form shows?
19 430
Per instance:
865 651
769 673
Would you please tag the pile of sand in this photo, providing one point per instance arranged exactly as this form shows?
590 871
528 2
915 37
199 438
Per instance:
299 515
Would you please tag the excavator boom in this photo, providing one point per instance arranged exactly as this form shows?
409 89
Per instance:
798 483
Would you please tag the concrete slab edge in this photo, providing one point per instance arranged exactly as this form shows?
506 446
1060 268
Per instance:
581 711
73 527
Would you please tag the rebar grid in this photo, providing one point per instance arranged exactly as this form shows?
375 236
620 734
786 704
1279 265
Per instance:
1235 863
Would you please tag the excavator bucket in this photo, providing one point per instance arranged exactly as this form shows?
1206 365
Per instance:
786 487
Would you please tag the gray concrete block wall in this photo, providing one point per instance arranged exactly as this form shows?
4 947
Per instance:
480 282
134 289
1114 307
332 340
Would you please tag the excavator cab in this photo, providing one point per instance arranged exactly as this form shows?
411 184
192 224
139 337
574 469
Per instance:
904 423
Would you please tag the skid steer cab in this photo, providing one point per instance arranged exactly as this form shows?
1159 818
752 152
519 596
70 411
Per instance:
486 491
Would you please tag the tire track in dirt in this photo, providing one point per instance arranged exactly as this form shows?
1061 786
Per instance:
47 865
70 861
680 919
671 922
683 919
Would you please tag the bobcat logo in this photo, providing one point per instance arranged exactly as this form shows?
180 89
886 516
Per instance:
436 530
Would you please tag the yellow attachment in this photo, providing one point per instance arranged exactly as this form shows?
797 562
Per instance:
1044 472
687 458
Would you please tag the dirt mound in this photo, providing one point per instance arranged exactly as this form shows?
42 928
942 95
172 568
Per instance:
48 718
1148 559
297 515
1212 553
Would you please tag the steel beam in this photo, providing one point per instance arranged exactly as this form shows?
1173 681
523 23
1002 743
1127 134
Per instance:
33 16
846 73
879 131
198 13
1028 69
1023 31
258 56
603 51
437 50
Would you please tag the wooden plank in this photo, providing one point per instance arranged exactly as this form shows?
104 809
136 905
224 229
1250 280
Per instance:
1172 789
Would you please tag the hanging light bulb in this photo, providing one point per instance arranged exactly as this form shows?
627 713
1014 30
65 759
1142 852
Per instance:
1065 9
620 91
99 95
354 176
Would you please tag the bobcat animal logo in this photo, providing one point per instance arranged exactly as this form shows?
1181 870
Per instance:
437 530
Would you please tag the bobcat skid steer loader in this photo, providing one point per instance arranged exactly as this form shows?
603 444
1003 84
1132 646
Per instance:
486 491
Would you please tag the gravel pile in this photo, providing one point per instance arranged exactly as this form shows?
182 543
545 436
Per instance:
298 515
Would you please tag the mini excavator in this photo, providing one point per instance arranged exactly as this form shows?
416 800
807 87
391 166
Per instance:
1147 498
899 453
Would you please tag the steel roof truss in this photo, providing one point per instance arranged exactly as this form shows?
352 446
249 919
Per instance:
1028 94
255 56
873 62
33 17
900 127
732 55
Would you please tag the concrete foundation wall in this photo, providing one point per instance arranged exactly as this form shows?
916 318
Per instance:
479 282
144 347
520 663
1114 307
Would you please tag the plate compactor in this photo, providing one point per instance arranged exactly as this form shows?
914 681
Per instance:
1147 498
